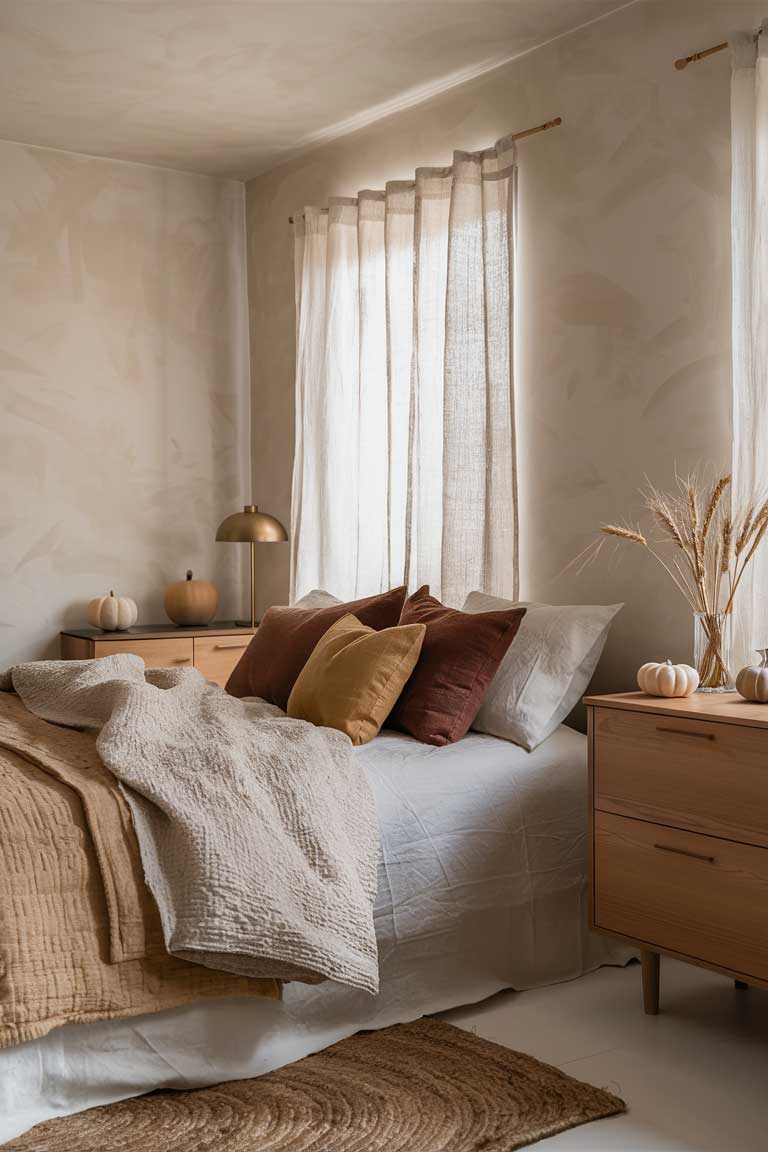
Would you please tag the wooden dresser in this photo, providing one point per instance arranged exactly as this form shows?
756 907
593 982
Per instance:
679 861
215 649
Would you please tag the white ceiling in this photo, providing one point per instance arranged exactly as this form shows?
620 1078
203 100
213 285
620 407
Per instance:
233 87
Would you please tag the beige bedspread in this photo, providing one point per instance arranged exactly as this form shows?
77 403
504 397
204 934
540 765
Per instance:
80 936
257 833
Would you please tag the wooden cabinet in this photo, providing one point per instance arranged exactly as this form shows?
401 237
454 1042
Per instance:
679 797
684 771
154 653
699 895
216 656
214 650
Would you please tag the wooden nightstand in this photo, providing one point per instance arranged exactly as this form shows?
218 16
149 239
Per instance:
679 860
215 649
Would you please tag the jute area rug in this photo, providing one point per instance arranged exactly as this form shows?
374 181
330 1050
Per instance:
422 1087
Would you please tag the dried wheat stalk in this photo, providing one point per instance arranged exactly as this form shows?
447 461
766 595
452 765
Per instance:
624 533
713 544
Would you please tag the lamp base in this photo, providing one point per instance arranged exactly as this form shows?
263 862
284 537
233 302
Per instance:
246 624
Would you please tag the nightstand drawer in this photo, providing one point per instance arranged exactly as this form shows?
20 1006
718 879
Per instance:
692 894
697 774
155 653
216 656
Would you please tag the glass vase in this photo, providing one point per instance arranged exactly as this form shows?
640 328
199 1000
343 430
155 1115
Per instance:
712 650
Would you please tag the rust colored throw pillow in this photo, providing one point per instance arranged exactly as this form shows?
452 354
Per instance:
459 657
286 638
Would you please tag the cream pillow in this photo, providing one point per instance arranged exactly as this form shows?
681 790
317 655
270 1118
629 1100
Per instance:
354 676
317 598
546 669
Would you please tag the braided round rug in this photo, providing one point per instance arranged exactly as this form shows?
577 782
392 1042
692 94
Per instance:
422 1087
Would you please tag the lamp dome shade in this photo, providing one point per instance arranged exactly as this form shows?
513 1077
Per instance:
251 526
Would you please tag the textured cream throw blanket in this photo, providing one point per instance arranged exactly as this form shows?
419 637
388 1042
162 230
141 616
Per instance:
257 833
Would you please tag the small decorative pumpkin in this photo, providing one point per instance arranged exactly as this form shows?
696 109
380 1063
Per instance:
112 613
668 679
752 681
191 602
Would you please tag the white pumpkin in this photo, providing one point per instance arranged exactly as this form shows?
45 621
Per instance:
752 681
112 613
668 679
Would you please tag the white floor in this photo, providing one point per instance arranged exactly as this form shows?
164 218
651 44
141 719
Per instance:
694 1077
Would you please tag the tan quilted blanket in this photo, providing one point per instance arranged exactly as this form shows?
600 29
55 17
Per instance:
80 936
257 833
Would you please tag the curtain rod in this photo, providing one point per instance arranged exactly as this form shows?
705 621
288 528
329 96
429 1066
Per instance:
520 135
539 128
684 61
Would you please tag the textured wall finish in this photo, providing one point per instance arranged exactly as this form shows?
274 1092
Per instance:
624 320
230 87
123 394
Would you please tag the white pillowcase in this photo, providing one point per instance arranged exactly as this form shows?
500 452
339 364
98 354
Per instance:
317 598
546 669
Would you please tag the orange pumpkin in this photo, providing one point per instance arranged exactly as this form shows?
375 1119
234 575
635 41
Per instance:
191 602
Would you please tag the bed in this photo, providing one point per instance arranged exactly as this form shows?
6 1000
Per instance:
482 886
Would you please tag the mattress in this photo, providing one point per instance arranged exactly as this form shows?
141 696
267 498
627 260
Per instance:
482 886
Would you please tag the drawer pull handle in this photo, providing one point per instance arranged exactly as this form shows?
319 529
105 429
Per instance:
685 732
237 644
685 852
181 660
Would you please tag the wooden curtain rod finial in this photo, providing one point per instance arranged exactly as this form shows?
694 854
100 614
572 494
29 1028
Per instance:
539 128
518 136
684 61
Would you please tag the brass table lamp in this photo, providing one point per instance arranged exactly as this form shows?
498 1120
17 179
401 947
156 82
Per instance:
251 527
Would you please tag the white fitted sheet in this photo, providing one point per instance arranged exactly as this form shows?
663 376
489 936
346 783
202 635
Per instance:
482 886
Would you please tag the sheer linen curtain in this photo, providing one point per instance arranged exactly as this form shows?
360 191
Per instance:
405 433
749 226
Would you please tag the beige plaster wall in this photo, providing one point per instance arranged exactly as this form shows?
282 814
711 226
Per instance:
123 387
624 308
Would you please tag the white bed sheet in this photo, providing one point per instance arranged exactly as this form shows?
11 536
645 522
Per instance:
482 886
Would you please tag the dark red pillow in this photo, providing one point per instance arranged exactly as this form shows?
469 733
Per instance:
459 657
286 638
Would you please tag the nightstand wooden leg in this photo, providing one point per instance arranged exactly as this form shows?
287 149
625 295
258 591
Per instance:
650 962
741 985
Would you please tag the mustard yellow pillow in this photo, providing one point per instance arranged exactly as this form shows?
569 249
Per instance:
354 676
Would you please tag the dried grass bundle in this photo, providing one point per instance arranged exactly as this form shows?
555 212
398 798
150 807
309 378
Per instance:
713 545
